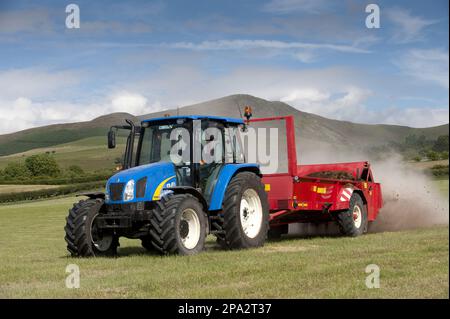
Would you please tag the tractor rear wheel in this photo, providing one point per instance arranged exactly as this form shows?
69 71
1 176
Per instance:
353 222
246 212
83 237
146 242
178 225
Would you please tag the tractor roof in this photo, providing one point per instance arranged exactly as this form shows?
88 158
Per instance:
198 117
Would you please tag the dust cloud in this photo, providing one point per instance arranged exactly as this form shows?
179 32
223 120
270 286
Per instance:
410 197
411 200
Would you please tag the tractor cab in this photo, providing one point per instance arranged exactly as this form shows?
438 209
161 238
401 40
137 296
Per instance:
192 148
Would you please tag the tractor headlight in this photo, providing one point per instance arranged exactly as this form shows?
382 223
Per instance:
128 194
107 192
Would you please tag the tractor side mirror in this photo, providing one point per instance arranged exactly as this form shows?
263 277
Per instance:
111 139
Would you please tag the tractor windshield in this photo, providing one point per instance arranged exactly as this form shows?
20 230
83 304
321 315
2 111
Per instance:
157 141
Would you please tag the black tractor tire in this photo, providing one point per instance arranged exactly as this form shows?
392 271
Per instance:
80 229
169 230
277 231
234 234
146 242
346 221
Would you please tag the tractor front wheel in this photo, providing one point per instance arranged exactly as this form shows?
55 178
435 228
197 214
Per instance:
246 212
83 237
178 225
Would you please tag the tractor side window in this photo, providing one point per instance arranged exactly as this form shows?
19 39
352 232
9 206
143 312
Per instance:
145 151
238 149
166 145
212 142
229 152
233 149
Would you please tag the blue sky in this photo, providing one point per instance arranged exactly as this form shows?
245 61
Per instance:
145 56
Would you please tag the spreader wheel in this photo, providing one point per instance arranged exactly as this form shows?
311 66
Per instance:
353 222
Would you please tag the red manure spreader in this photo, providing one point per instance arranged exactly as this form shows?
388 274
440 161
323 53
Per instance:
341 192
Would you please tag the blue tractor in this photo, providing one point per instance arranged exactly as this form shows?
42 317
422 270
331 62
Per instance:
186 178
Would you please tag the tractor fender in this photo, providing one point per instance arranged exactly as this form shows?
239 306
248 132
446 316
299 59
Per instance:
92 195
189 190
225 176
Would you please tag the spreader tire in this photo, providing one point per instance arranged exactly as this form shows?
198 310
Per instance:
353 222
82 236
178 225
245 212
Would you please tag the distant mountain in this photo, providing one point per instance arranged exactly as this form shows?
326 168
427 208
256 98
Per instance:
312 131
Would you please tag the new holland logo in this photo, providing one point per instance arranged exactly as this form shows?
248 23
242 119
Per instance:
346 194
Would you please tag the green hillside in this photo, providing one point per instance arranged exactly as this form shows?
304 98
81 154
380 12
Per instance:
90 153
312 132
57 134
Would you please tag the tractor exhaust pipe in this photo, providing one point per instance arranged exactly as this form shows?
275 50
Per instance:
130 145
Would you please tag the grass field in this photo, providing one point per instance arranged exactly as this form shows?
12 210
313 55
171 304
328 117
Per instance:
442 185
33 259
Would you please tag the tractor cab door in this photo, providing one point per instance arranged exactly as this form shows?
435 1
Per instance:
212 153
219 145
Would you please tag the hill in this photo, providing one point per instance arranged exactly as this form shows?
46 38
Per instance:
56 134
314 133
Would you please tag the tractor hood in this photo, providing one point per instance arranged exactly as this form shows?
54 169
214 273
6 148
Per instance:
149 182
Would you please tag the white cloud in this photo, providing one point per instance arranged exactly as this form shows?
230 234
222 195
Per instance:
36 82
346 103
351 106
244 44
129 102
416 117
93 27
407 28
292 6
22 113
307 95
430 65
337 93
305 56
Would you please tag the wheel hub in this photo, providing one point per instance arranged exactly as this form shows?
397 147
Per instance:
251 213
190 228
100 241
184 228
357 216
